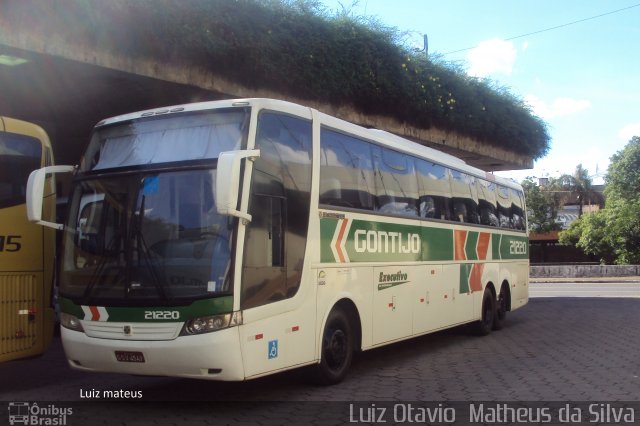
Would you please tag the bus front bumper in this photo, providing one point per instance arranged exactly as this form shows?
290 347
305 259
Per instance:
212 356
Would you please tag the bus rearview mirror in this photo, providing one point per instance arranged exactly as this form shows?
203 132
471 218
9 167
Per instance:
228 181
35 194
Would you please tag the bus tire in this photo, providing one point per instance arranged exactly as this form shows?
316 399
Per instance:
488 310
337 349
501 309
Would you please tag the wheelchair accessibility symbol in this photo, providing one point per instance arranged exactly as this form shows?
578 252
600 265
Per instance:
273 349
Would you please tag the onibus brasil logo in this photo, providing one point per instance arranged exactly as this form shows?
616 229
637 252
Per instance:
26 413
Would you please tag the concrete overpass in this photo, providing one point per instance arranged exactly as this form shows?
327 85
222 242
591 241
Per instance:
67 86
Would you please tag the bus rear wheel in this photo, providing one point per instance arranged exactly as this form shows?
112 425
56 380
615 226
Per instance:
501 310
337 349
485 324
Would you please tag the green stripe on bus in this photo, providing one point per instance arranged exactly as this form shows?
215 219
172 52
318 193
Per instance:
327 229
514 247
470 246
199 308
68 307
437 244
344 240
383 242
465 273
495 246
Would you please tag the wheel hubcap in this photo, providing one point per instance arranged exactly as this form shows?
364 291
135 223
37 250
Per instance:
336 350
488 313
502 306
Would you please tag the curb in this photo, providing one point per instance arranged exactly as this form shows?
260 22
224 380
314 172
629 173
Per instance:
604 280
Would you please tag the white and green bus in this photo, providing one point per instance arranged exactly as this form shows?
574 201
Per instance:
233 239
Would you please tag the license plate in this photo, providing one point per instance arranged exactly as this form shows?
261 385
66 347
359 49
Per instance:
128 356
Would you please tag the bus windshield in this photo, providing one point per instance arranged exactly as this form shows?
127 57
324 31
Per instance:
148 238
19 155
139 232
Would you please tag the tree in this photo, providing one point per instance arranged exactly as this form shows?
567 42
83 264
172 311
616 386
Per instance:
578 186
589 233
623 229
623 187
614 232
542 206
623 178
581 185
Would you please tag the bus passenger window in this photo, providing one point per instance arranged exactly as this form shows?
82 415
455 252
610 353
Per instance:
427 207
347 160
460 213
396 184
435 190
517 210
465 194
487 202
504 207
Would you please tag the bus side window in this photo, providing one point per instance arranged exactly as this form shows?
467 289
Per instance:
504 207
517 210
396 183
280 199
460 213
267 233
264 273
465 198
487 202
434 190
346 171
20 155
427 207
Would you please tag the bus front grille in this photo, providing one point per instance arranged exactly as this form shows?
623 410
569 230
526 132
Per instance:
132 331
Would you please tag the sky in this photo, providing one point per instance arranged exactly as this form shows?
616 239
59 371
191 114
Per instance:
582 79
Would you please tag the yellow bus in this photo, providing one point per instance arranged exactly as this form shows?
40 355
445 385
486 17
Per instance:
233 239
26 250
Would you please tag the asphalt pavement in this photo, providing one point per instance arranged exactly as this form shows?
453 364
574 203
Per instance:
554 352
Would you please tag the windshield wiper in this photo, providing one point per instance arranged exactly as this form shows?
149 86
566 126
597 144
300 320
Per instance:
95 278
158 282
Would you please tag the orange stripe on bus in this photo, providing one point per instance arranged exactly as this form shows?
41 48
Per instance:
475 279
460 239
95 313
483 245
339 240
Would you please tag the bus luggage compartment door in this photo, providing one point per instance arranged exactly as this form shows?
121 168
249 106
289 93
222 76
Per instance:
392 301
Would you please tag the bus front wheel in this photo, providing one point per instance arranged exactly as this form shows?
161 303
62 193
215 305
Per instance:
337 348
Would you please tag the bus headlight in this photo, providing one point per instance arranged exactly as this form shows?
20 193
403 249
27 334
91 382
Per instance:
211 323
70 322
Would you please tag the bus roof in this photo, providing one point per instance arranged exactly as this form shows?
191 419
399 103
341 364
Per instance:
380 137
